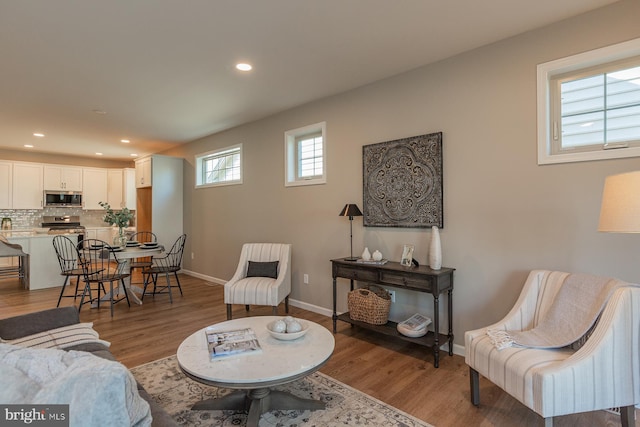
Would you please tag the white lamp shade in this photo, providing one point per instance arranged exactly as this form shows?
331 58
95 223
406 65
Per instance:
620 211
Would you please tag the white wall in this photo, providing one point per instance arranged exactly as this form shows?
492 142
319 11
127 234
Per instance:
504 214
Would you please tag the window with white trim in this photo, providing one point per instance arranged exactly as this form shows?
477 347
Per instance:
305 155
219 167
589 105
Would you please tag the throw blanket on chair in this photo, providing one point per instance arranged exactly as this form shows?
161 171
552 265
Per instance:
575 309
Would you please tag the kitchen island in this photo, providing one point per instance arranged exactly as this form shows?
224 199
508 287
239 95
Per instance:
44 267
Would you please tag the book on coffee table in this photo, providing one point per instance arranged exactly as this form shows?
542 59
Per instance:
223 344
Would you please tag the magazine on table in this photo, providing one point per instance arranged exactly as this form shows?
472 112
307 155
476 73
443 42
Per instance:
223 343
416 322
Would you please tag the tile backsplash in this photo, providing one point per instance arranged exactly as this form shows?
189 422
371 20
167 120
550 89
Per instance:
32 218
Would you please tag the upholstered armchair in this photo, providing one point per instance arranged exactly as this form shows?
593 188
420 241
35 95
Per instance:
603 373
263 277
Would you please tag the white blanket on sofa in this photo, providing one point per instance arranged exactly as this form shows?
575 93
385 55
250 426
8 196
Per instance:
98 391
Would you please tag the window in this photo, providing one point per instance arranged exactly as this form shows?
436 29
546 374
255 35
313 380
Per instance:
589 105
305 154
219 167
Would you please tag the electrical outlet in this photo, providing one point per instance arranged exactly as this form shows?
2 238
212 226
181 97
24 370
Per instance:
392 294
305 278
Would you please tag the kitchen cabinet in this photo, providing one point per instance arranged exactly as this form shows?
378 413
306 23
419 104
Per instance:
105 234
6 179
94 187
62 178
159 207
27 188
144 172
121 188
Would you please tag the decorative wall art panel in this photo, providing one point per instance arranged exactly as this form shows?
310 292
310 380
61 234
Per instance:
403 182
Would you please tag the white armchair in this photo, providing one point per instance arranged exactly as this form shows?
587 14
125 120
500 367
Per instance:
603 373
261 289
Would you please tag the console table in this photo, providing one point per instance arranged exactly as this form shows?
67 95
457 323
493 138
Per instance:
418 279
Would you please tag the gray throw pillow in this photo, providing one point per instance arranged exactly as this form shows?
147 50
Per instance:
263 269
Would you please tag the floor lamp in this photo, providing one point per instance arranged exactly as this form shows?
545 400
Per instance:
620 211
350 210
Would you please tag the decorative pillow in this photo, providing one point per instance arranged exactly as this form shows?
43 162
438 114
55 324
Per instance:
66 336
263 269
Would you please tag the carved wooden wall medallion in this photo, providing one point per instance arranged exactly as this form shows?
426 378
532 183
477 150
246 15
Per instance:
403 182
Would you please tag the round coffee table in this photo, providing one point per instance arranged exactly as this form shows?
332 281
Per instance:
279 362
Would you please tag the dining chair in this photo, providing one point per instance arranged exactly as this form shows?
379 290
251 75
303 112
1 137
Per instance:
100 264
142 262
171 262
67 254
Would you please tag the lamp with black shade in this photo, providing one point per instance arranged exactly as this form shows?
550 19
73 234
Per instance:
351 210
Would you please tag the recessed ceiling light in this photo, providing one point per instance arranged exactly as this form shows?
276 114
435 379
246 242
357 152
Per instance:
125 141
133 155
243 66
28 146
38 134
98 154
98 111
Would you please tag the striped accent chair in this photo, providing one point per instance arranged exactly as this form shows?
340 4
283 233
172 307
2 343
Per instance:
261 289
604 372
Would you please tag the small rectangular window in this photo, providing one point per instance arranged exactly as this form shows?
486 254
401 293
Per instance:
220 167
589 105
305 155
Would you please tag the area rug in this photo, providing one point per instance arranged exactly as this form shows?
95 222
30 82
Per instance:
345 406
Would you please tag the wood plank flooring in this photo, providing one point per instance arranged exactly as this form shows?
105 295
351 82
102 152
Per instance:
396 372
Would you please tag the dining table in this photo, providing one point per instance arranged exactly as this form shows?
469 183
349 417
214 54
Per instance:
126 254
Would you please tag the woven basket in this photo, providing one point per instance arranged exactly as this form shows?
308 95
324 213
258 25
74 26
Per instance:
370 304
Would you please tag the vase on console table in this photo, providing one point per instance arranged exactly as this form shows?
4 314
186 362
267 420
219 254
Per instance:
366 255
435 250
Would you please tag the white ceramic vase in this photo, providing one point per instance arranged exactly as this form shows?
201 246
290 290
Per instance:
435 250
366 255
377 256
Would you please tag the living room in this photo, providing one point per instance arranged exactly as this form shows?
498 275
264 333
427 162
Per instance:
504 214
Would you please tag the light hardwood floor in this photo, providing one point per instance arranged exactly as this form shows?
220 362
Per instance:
396 372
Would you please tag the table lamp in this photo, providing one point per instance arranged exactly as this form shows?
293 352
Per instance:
351 210
620 211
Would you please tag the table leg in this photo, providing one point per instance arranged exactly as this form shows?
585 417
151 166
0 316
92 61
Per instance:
450 296
335 316
258 401
436 330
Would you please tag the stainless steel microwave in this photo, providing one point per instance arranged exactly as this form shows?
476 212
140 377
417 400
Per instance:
63 199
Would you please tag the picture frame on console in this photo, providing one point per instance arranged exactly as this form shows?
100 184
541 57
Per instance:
407 255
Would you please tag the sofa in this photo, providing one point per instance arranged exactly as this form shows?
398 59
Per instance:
28 325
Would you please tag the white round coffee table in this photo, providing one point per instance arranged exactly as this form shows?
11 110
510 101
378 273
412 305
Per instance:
279 362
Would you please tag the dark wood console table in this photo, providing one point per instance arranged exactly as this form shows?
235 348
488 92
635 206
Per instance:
418 279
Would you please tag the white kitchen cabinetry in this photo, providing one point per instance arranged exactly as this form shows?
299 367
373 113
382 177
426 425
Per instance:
27 188
94 187
144 172
62 178
159 207
6 179
121 188
105 234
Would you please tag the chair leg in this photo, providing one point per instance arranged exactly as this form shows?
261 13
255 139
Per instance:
286 304
474 383
175 273
145 280
166 275
111 296
228 311
628 416
87 287
126 294
64 285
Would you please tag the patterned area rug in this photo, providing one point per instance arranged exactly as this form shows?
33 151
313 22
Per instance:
345 406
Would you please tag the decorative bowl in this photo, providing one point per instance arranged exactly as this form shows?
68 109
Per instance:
283 336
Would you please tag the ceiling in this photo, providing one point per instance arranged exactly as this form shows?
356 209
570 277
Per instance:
88 73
